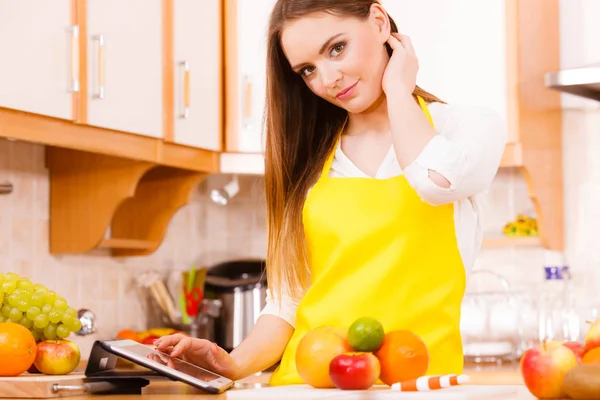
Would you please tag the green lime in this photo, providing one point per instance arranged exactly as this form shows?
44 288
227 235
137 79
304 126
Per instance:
366 334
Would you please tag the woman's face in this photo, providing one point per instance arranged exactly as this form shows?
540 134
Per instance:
341 59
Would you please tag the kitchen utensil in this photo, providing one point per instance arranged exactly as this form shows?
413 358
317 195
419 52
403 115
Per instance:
492 323
154 284
240 285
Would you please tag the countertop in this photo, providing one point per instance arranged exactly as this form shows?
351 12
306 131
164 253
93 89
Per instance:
486 384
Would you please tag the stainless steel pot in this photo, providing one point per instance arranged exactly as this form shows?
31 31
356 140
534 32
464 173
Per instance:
241 286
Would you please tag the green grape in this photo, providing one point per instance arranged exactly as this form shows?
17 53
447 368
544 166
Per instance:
60 304
26 322
67 319
2 278
37 298
1 297
6 310
9 286
50 297
11 276
3 318
50 331
37 335
46 308
39 286
41 321
25 284
71 311
76 325
62 331
13 299
33 312
55 316
15 315
23 305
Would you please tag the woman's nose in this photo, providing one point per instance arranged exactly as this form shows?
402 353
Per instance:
330 77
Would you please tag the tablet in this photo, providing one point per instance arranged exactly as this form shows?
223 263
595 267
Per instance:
171 367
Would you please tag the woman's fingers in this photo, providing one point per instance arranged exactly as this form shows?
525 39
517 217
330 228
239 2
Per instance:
394 42
180 348
168 341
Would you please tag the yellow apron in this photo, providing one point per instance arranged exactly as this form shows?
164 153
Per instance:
376 249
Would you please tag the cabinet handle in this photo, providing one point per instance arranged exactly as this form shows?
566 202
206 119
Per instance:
247 100
74 58
100 82
185 113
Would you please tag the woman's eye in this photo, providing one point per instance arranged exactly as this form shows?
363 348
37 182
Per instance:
337 49
306 71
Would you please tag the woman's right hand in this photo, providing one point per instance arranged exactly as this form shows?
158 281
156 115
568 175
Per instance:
200 352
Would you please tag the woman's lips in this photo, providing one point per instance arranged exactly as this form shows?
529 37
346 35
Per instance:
344 94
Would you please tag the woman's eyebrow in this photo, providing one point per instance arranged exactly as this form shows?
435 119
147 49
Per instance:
323 48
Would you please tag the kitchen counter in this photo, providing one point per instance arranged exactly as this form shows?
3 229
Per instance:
486 384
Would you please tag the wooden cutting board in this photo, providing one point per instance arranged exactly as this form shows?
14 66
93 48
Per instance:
40 386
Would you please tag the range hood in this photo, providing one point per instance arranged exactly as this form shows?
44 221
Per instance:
582 82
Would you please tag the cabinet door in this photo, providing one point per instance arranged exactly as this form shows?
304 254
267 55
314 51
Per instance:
197 78
246 40
461 46
125 65
38 48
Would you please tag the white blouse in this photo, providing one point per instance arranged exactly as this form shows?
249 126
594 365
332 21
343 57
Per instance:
467 152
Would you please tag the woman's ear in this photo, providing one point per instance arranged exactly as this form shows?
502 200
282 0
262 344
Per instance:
379 17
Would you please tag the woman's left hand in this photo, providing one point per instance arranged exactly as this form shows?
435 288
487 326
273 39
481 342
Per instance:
401 71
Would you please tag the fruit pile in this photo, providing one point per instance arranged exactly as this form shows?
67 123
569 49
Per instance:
355 358
20 352
563 370
148 336
521 226
46 314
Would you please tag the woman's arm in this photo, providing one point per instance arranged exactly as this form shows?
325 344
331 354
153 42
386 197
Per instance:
263 346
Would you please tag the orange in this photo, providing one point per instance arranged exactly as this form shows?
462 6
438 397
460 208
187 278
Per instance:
17 349
403 356
315 351
128 334
592 357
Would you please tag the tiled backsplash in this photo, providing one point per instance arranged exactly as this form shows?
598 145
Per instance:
205 233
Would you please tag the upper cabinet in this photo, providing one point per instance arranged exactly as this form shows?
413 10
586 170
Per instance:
197 77
246 23
462 59
499 59
124 65
39 47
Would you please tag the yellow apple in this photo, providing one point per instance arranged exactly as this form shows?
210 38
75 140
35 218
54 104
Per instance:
57 357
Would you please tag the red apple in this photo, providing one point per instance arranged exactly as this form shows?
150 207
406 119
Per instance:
57 357
543 369
577 348
354 371
592 338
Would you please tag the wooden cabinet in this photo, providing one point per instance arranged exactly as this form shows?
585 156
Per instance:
462 59
197 78
498 59
39 48
246 23
124 60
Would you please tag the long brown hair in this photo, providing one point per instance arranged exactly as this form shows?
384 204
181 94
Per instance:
301 131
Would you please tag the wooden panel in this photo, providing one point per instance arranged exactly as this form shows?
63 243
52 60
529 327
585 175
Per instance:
128 66
146 216
79 18
85 191
59 133
197 48
38 55
31 386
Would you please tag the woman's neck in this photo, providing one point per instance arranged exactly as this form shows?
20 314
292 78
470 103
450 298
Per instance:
373 121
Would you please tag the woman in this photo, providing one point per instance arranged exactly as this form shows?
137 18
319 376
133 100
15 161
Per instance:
373 190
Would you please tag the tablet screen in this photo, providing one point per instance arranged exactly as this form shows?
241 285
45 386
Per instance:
177 364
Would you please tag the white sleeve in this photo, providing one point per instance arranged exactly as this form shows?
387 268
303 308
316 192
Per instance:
287 309
467 152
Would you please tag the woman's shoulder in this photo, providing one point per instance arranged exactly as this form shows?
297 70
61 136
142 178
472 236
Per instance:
450 119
